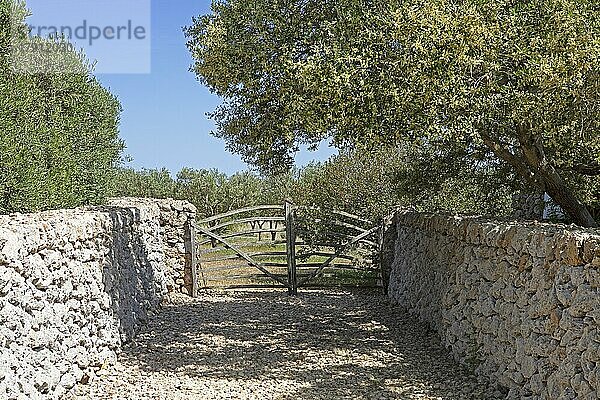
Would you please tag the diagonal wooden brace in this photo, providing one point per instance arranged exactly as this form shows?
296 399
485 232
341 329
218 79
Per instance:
242 254
337 253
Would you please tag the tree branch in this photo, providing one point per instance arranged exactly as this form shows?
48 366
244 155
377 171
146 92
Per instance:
504 154
552 182
583 169
532 147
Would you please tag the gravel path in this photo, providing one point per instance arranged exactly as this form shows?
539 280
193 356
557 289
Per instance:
266 345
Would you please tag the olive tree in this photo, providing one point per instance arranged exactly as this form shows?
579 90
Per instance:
152 183
372 184
511 82
213 192
59 142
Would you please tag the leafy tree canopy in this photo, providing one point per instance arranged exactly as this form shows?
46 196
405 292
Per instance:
59 143
211 191
511 82
371 184
151 183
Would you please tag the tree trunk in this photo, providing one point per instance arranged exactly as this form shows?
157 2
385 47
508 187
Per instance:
533 167
549 179
564 197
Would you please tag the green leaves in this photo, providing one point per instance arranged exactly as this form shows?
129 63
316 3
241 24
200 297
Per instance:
393 72
59 139
211 191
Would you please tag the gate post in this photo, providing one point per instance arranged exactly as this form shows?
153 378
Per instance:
290 248
194 259
380 248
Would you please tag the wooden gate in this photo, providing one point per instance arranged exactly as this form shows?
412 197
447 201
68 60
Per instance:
288 246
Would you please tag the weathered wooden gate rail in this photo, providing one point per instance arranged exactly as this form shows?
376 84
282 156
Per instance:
231 232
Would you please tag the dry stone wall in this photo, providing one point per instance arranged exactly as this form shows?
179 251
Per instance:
175 220
75 285
517 302
528 206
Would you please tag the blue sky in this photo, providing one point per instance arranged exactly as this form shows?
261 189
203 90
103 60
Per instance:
164 121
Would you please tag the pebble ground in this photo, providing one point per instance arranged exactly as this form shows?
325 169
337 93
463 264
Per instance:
263 344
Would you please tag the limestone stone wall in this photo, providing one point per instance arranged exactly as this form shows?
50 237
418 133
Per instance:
517 302
175 220
75 285
528 206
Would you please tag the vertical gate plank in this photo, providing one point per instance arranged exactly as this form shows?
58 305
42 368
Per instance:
380 240
194 261
290 248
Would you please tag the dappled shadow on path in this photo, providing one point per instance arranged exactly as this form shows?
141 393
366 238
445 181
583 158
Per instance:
264 344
